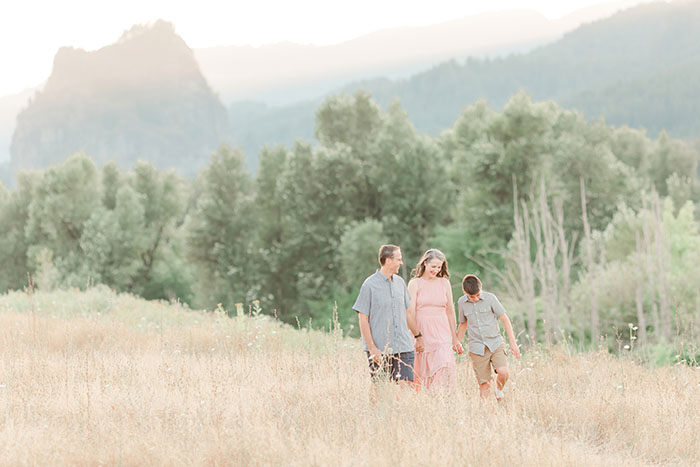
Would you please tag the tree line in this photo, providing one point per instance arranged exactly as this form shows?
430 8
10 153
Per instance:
582 228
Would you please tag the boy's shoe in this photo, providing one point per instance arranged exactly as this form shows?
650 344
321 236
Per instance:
499 394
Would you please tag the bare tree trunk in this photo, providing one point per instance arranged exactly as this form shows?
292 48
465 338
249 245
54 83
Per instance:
545 260
526 282
540 272
650 273
550 264
697 314
566 250
590 266
661 256
641 319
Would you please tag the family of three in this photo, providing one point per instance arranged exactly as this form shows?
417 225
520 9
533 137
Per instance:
410 334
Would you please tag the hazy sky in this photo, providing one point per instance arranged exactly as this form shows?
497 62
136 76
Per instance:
31 31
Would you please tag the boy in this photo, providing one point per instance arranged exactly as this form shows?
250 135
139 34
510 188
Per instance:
478 311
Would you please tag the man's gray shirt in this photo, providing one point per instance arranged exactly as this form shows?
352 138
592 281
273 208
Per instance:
385 302
482 325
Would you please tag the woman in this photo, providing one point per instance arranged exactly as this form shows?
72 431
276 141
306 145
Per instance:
431 300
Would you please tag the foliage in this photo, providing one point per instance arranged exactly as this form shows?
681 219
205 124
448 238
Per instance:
220 228
302 234
630 267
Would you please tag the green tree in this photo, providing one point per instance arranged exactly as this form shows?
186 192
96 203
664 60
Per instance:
354 121
162 195
113 240
220 230
650 257
268 237
357 257
14 213
63 200
671 156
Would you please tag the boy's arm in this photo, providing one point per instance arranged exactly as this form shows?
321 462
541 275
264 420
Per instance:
511 337
450 310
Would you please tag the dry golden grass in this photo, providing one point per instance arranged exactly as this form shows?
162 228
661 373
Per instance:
90 378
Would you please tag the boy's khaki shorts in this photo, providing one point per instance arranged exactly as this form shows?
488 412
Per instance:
482 363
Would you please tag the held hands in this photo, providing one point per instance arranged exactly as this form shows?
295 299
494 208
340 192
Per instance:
457 346
420 346
515 350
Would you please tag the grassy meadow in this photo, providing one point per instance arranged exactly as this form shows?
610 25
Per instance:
93 378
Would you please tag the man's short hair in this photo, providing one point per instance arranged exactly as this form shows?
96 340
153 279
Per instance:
471 284
386 252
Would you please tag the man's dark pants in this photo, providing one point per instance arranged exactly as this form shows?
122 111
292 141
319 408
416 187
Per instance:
398 366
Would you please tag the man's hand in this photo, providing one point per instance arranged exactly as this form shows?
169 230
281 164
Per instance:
375 355
515 350
419 344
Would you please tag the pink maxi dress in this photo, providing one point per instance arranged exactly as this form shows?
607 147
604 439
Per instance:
435 365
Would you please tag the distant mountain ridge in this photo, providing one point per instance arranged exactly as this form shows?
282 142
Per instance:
285 73
593 69
638 67
635 43
142 97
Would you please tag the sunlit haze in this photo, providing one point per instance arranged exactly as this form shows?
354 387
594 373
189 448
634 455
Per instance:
32 31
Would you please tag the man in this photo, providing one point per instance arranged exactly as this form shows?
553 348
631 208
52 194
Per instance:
382 307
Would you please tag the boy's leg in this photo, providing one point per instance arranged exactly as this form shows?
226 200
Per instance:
485 390
482 370
502 377
500 365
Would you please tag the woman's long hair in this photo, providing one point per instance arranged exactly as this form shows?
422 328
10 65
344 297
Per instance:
427 256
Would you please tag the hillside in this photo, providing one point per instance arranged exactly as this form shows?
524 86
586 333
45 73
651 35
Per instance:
589 69
143 97
285 73
99 378
667 99
10 107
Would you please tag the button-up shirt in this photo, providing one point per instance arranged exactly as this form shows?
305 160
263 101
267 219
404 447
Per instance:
482 325
385 302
